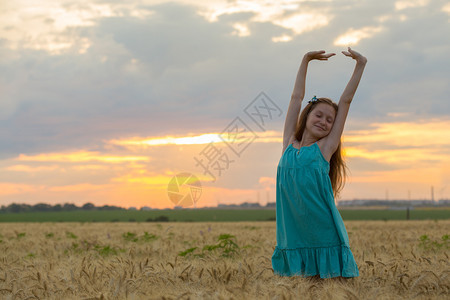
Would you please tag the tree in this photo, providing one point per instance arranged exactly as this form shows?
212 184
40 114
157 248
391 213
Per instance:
42 207
88 206
69 207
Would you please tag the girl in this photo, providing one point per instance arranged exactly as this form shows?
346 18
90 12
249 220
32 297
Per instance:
311 236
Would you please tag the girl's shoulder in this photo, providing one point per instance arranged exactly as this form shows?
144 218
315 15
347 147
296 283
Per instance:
322 144
292 140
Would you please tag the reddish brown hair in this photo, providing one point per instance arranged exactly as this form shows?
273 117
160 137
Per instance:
338 169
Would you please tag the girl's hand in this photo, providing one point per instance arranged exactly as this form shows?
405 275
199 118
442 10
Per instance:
319 55
355 55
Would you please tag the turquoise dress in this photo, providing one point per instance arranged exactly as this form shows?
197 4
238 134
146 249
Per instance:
311 236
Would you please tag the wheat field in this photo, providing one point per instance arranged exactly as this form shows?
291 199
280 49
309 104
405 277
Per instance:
396 260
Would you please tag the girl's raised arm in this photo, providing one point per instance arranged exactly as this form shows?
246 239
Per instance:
298 94
331 141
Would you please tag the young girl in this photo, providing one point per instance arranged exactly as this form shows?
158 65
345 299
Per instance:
311 236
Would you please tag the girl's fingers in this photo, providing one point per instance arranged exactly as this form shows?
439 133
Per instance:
328 55
353 52
320 55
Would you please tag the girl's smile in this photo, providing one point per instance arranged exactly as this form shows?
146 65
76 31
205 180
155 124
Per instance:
319 127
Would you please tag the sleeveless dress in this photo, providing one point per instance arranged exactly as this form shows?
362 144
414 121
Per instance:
310 233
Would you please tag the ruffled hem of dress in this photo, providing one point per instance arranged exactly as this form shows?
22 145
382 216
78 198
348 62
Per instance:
327 262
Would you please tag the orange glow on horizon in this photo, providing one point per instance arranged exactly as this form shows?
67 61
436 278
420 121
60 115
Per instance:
397 156
7 189
410 134
414 153
206 138
80 156
414 175
31 169
78 187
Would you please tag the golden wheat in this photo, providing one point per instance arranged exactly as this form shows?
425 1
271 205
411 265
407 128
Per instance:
142 261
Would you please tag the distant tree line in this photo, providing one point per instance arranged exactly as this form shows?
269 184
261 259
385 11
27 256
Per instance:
17 208
393 203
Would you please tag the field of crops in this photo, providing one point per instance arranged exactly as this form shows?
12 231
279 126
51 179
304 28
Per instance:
212 260
213 215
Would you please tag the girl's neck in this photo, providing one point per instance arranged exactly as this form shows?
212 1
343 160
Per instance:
307 140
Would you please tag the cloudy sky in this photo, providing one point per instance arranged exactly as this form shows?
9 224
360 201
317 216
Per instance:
106 102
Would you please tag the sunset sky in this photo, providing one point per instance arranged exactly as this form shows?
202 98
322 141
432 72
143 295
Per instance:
106 101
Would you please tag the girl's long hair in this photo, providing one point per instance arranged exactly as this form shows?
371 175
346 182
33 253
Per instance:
338 169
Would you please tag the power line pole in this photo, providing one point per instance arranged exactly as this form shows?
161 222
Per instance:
432 193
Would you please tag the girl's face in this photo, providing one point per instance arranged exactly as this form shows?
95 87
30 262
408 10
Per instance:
320 120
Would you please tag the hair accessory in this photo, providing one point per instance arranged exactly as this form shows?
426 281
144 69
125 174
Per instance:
314 99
